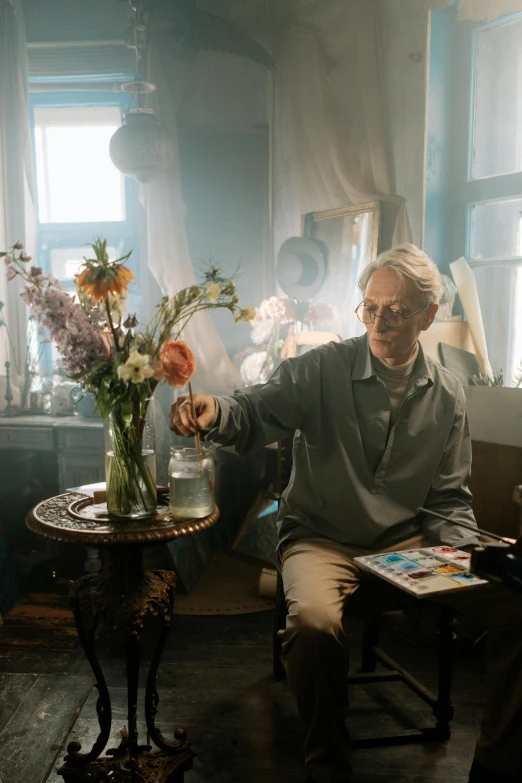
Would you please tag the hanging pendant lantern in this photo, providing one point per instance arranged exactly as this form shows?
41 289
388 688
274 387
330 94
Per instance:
141 148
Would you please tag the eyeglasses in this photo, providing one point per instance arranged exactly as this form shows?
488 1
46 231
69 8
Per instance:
392 318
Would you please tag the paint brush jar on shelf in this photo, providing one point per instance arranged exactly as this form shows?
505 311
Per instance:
191 481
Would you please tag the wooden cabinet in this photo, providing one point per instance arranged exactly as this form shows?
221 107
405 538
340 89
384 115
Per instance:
73 444
80 455
41 456
496 471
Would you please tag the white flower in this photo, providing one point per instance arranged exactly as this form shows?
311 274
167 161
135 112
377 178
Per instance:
212 291
262 331
136 369
251 368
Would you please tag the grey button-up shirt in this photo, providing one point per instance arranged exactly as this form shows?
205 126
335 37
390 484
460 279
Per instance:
354 480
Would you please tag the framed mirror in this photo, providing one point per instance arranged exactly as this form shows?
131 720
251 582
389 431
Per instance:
349 239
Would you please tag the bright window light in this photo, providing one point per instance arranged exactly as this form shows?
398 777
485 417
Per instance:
77 182
516 354
495 230
498 101
66 262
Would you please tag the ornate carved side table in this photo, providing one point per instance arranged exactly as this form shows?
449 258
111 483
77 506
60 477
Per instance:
123 594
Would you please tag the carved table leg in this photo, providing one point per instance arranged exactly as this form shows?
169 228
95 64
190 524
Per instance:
123 593
87 613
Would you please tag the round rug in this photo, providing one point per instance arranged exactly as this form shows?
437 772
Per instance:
228 585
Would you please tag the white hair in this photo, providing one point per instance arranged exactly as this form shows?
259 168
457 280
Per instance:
411 265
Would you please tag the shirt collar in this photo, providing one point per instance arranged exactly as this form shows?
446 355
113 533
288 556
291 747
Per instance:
363 368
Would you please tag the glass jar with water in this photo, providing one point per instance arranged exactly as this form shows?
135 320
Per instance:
191 482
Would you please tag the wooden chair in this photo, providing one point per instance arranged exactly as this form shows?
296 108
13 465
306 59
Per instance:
374 599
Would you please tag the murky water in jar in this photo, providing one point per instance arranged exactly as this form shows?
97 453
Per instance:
191 497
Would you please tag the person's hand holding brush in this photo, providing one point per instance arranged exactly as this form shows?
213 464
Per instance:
195 412
188 422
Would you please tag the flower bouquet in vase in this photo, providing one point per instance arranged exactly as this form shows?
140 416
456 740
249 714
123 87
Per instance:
108 354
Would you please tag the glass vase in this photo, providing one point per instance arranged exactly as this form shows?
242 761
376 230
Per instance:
192 476
130 465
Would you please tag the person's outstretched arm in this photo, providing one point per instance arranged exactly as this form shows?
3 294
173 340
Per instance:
255 416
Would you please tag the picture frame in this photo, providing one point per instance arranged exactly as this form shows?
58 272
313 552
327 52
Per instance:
331 226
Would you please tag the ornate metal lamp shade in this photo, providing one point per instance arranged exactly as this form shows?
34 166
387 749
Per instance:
141 148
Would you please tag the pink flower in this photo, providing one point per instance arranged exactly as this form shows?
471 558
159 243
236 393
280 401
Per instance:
322 313
277 308
77 338
11 273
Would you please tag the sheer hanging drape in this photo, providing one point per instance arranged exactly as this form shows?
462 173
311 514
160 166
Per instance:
330 130
168 252
330 147
17 217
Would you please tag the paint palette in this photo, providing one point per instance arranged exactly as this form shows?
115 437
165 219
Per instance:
423 572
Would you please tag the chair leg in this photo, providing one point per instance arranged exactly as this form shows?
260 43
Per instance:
279 672
372 627
443 709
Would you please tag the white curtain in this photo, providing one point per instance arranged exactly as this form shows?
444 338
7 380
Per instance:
202 89
481 10
17 215
330 129
330 146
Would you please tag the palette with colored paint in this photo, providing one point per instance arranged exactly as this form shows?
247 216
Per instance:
423 572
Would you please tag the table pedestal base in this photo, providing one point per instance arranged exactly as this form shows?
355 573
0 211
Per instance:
125 595
148 767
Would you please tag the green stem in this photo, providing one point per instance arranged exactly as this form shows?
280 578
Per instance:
129 481
113 330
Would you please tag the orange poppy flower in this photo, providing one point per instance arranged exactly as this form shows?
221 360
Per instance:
99 282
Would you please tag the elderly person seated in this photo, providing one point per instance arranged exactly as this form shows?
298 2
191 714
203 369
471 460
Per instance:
380 431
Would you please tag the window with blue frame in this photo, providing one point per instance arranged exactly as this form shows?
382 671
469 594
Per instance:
80 194
474 178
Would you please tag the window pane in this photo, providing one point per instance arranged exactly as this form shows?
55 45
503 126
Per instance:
500 294
495 230
517 329
77 182
65 262
498 101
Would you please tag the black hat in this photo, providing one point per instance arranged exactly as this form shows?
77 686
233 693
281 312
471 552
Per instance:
301 267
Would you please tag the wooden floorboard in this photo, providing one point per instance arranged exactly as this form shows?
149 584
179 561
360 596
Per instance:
40 725
13 690
215 681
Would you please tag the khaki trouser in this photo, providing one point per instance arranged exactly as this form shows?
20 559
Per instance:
319 577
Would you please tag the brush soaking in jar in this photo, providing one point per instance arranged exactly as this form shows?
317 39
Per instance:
191 482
